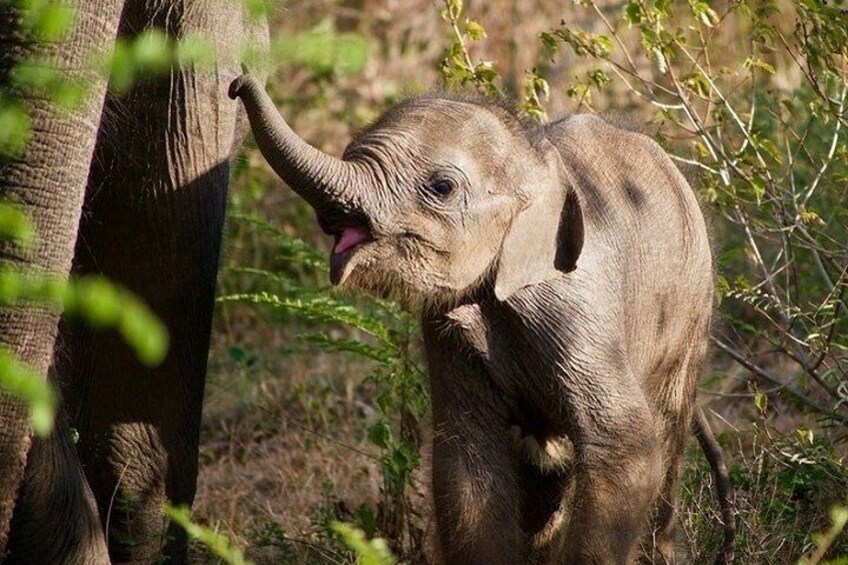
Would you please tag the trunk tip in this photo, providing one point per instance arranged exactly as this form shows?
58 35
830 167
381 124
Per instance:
238 85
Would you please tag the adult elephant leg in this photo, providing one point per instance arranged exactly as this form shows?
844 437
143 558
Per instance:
42 490
55 519
152 221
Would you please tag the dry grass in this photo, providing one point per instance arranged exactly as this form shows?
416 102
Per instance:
281 438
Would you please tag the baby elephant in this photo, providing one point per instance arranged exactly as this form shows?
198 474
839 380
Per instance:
564 277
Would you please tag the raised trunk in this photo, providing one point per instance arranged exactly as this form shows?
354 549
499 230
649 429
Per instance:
325 182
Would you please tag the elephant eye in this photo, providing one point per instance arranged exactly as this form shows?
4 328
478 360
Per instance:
442 187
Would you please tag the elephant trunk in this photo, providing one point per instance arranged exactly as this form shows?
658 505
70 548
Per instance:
325 182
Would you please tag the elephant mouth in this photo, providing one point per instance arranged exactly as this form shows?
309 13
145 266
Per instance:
351 231
347 240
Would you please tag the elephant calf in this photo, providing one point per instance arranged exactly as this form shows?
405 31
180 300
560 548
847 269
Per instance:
564 277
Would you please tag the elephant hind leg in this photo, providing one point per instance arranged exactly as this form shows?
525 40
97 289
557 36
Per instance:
661 544
674 405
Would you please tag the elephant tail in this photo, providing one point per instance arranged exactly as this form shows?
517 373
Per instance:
712 451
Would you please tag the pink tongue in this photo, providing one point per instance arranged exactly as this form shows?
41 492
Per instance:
351 237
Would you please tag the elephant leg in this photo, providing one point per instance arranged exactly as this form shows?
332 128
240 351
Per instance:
673 387
618 470
475 489
660 545
611 504
153 218
475 481
48 181
55 520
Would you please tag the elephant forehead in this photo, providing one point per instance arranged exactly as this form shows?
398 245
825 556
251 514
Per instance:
439 122
405 150
449 121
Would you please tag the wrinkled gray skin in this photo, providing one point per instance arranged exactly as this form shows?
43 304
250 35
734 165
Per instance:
133 187
565 281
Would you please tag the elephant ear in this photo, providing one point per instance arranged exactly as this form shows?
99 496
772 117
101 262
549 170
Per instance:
546 236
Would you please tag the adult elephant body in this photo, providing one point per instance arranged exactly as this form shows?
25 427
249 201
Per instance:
134 187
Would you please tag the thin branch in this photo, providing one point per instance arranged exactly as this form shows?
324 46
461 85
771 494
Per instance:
832 151
694 163
769 377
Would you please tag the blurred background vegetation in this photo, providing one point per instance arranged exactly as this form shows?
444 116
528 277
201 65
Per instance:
315 422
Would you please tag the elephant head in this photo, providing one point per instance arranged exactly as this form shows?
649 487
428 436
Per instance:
440 196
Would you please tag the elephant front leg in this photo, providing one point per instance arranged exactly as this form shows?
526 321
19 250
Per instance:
475 489
154 214
475 475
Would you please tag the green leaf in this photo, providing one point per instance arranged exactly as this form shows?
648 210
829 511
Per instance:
578 91
761 401
535 90
318 308
240 356
703 12
805 435
324 50
759 187
811 218
584 43
474 30
15 224
48 20
697 83
30 287
24 383
769 147
102 304
454 8
256 9
43 79
143 331
218 544
97 301
758 64
598 78
634 13
290 249
121 68
549 42
380 434
382 355
195 50
152 52
15 128
369 552
485 71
